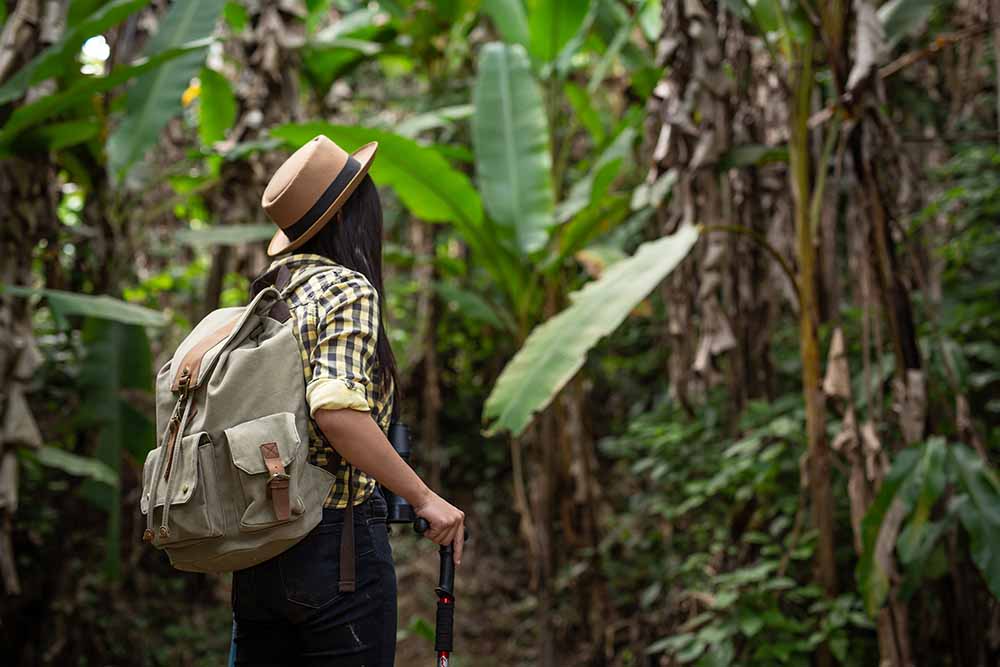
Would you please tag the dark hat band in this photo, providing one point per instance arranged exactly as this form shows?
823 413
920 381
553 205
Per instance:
316 211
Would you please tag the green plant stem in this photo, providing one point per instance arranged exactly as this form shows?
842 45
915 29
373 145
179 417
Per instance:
821 169
821 495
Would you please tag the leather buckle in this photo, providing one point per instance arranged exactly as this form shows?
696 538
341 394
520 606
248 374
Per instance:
278 480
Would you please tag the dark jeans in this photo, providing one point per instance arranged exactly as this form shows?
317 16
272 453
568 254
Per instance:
288 610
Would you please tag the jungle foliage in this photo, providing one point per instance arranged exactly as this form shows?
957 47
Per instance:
695 304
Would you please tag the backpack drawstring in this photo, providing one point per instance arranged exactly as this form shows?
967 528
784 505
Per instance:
154 482
171 435
172 482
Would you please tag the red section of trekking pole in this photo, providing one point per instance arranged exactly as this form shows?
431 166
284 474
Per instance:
445 624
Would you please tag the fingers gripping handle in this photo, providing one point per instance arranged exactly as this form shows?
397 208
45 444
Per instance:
421 526
446 577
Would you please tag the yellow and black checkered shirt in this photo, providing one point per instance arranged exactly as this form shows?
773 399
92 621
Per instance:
335 316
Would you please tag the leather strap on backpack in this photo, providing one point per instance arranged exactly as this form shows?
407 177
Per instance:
347 552
278 277
277 483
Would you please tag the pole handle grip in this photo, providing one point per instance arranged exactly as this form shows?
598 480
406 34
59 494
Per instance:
444 633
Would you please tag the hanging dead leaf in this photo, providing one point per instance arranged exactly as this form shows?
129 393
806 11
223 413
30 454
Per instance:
28 358
911 403
847 439
8 481
19 428
717 336
870 45
876 462
837 382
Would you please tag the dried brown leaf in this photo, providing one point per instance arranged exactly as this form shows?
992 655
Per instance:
876 463
911 402
837 382
19 428
8 481
870 45
846 441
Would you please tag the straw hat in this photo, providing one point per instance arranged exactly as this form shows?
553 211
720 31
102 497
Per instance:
310 187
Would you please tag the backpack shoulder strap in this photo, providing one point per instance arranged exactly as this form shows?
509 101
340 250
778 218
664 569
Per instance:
278 277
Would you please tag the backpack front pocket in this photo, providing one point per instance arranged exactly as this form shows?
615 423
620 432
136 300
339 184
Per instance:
266 453
192 516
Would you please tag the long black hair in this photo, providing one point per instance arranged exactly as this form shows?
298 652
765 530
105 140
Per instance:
353 239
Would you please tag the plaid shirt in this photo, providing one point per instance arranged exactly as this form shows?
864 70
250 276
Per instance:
335 317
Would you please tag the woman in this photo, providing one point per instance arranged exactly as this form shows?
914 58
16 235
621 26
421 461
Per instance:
293 609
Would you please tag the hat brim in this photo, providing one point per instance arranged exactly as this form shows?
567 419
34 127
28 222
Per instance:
280 243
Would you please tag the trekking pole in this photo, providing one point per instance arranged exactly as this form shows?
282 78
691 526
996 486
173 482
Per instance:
444 625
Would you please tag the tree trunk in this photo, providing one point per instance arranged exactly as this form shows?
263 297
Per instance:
29 197
423 242
216 278
818 451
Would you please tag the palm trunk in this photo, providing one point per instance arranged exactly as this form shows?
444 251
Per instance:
422 239
216 278
29 197
809 316
893 620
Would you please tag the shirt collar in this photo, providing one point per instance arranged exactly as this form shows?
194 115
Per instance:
301 260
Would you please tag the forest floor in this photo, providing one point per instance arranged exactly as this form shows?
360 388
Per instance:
492 627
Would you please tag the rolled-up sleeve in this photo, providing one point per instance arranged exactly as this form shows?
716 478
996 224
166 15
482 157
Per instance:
343 357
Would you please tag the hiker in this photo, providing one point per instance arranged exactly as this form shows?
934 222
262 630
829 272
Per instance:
295 608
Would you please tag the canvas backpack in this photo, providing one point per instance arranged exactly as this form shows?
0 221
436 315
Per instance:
230 485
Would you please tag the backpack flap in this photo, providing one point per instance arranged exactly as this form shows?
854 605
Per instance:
246 438
266 451
192 517
185 465
198 352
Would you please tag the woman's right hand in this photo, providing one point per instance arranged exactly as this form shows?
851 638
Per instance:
447 523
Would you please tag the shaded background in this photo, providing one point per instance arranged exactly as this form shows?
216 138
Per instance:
695 302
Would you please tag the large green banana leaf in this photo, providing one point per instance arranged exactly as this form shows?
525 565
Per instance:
979 512
227 234
590 190
900 18
74 464
53 60
511 139
510 20
217 107
413 126
552 24
156 96
84 90
556 349
345 44
117 365
904 511
102 307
